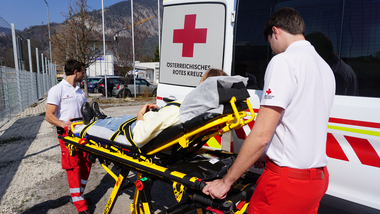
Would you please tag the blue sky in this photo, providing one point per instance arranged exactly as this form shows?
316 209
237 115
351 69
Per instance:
26 13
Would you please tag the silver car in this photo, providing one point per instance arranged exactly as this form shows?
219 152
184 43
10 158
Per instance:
143 87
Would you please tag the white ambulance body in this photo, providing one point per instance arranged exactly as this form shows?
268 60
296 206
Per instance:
198 35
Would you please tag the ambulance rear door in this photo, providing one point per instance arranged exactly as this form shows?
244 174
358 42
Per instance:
193 41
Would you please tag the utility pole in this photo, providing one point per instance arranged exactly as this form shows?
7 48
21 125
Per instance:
47 5
104 54
133 50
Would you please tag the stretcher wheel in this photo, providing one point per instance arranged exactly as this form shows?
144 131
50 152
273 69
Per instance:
91 158
101 160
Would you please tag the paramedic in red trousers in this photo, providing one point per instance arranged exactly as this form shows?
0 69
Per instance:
64 102
291 125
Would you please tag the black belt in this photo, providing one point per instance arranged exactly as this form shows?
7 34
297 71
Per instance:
60 130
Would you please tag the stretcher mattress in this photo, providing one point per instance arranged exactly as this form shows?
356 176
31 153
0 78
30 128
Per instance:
101 132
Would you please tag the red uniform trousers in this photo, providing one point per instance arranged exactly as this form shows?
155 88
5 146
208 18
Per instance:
77 170
279 192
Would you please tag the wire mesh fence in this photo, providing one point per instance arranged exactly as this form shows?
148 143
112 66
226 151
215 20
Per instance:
25 73
14 100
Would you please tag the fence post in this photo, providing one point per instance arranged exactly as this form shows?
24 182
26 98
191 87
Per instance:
55 74
43 74
37 76
31 74
47 75
16 66
6 93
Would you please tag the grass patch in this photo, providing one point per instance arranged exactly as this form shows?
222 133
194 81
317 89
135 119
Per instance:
112 101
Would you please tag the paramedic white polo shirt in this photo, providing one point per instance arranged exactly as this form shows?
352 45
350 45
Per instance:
301 82
68 100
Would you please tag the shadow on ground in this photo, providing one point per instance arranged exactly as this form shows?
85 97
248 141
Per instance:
96 199
14 142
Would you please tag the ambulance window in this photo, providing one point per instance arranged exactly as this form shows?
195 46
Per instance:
351 47
251 49
361 44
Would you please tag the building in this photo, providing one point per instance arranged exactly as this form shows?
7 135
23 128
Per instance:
152 70
98 67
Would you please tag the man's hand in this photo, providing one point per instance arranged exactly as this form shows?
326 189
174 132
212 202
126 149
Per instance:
68 123
144 109
216 189
51 118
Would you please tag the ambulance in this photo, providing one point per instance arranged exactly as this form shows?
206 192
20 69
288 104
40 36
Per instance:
228 34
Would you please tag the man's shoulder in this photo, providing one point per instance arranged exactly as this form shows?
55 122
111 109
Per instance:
56 88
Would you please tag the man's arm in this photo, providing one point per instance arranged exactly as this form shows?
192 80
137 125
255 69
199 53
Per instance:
52 119
144 109
253 146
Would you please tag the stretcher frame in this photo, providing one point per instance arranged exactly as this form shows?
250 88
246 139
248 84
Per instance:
187 189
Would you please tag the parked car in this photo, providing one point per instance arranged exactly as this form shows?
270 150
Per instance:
142 87
92 82
111 81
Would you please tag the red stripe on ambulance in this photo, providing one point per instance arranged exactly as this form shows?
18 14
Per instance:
362 147
333 148
364 150
355 122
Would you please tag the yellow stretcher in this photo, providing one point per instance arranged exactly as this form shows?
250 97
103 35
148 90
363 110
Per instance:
170 157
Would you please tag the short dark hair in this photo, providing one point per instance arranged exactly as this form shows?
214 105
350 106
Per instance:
287 19
72 65
215 72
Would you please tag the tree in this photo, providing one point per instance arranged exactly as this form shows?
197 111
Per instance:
76 37
122 47
156 57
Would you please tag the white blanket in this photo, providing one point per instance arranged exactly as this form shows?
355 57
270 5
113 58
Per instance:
205 97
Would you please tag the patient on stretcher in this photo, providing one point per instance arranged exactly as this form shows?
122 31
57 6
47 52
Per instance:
152 120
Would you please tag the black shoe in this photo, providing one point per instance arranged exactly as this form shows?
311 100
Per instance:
86 112
97 112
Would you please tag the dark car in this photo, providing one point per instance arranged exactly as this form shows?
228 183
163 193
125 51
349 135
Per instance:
91 83
111 81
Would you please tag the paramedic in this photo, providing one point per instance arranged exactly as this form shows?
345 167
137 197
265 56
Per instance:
291 125
148 124
63 103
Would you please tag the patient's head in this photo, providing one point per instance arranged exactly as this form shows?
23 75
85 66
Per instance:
212 73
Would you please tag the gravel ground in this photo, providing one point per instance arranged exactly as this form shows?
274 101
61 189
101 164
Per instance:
32 180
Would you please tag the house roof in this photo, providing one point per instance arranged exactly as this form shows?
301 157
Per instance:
147 65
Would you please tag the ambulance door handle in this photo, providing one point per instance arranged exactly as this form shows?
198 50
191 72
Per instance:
169 99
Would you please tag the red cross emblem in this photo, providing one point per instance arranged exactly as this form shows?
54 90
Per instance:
268 91
189 35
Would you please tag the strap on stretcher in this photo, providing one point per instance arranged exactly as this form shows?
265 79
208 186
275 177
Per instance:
125 128
85 129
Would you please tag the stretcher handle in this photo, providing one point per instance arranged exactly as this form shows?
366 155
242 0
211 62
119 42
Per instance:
224 205
202 199
76 119
245 194
201 185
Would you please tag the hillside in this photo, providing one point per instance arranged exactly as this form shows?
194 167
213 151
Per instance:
117 17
